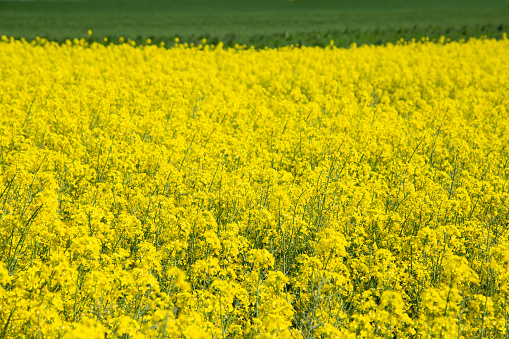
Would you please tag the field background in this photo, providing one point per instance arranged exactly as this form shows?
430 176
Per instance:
290 193
260 23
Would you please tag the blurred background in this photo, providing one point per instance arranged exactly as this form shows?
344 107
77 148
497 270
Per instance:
255 22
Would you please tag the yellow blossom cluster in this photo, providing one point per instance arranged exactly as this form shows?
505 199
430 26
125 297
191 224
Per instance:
205 192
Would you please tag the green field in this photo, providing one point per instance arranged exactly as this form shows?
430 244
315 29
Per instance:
256 22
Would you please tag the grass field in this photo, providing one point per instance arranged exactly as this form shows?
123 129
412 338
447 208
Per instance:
259 23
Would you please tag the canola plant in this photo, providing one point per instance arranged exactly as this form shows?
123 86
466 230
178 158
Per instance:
210 192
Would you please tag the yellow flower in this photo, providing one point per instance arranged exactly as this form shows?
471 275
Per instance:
229 192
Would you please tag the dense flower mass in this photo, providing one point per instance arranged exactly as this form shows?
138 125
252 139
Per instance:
204 192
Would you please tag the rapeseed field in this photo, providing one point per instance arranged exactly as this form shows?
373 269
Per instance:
210 192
